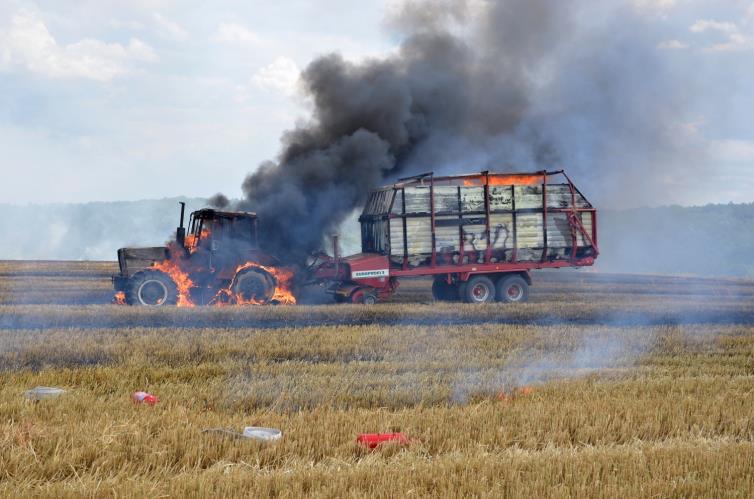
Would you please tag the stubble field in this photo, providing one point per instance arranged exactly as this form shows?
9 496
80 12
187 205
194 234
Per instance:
637 386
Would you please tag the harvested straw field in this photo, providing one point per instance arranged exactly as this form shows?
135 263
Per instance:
617 386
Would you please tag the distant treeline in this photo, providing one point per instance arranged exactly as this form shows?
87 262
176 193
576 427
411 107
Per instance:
707 240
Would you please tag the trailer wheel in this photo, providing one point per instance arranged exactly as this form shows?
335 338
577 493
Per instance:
363 297
254 285
512 289
151 288
442 291
479 289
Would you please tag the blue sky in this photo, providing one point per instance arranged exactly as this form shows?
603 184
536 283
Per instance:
108 100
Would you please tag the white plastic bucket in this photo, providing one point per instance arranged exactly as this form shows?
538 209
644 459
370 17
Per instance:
262 434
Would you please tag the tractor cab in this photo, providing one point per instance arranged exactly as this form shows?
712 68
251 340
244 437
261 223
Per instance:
219 230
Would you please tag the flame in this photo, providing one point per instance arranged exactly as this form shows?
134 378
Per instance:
526 390
514 393
119 298
192 241
176 269
181 279
181 267
504 180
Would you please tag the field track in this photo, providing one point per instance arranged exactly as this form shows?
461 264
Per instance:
640 386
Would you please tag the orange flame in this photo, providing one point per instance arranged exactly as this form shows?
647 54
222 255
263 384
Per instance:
180 268
192 241
504 180
175 269
514 393
119 298
181 279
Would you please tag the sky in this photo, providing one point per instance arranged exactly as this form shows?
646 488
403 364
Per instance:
104 100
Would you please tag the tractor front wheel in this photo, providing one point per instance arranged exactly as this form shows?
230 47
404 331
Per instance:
151 288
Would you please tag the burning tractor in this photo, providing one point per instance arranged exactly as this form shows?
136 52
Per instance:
217 262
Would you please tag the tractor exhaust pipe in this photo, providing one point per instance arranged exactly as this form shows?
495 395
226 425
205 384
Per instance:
180 233
336 253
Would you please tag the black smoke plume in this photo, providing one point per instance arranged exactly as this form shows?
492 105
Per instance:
500 85
219 200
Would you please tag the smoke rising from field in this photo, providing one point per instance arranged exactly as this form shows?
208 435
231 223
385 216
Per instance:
599 353
475 85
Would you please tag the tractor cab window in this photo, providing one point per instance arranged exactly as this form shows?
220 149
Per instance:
201 230
243 229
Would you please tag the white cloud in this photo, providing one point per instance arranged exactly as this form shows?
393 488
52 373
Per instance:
673 45
735 38
703 25
28 44
282 76
234 33
169 29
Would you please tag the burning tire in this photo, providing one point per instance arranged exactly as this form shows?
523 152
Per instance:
151 288
442 291
512 289
254 285
478 289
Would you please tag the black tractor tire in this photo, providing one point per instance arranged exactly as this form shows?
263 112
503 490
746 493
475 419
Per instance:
479 289
442 291
512 289
255 284
151 288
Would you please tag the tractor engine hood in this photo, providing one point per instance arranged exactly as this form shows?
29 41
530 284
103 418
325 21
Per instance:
133 260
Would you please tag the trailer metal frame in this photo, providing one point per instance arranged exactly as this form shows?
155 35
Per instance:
343 283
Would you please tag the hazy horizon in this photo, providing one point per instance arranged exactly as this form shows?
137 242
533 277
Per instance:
704 241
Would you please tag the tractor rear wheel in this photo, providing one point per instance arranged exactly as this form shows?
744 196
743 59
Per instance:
479 289
512 289
151 288
254 285
442 291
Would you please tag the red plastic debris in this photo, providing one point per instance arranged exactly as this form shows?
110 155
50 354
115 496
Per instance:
373 440
145 398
